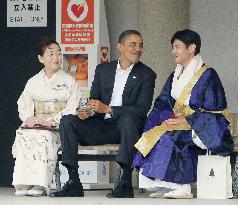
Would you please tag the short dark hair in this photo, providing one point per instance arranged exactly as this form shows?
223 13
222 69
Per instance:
188 37
126 33
44 44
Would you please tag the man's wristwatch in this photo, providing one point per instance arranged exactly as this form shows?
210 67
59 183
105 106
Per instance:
110 112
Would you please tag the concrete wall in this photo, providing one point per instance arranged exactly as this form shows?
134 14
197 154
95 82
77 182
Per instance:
217 23
121 15
157 20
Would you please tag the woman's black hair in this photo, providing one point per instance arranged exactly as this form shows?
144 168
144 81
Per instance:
45 44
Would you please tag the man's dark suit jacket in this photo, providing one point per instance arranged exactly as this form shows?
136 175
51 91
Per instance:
138 92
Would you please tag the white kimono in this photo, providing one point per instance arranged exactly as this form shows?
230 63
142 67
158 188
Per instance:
36 150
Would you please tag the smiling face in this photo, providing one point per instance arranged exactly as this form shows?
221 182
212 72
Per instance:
51 58
130 50
182 54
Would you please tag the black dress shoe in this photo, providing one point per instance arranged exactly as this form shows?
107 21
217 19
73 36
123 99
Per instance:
70 189
123 190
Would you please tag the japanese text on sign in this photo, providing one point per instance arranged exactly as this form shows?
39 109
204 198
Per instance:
26 13
77 22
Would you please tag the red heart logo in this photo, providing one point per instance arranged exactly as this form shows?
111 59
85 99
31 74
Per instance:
77 10
104 55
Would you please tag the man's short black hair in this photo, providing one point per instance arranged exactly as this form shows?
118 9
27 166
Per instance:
188 37
126 33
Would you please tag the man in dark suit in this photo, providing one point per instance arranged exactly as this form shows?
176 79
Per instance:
121 95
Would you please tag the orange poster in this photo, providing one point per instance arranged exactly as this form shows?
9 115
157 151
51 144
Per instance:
77 66
77 22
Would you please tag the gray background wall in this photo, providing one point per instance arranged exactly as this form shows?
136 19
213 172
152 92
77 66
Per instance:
217 22
121 15
157 20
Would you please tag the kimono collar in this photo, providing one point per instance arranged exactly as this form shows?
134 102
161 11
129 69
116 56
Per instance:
182 77
42 73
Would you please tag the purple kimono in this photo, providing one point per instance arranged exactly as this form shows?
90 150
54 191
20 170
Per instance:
174 156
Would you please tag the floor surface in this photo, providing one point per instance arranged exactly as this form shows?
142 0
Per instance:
7 197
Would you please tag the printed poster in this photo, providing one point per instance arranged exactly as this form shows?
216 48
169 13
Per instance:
77 22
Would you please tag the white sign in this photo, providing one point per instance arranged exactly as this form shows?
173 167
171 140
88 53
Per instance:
26 13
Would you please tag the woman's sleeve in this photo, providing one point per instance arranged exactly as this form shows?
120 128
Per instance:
25 104
71 104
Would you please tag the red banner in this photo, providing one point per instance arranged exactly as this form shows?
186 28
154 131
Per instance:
77 22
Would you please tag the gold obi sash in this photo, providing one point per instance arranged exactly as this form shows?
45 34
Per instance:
48 109
151 137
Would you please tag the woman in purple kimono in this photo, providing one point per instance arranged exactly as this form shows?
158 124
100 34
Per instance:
189 116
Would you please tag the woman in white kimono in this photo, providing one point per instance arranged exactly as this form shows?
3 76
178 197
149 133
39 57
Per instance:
47 96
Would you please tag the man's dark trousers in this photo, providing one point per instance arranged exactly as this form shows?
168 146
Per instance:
93 131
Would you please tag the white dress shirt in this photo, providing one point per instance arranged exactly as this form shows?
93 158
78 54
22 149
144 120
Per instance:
119 85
